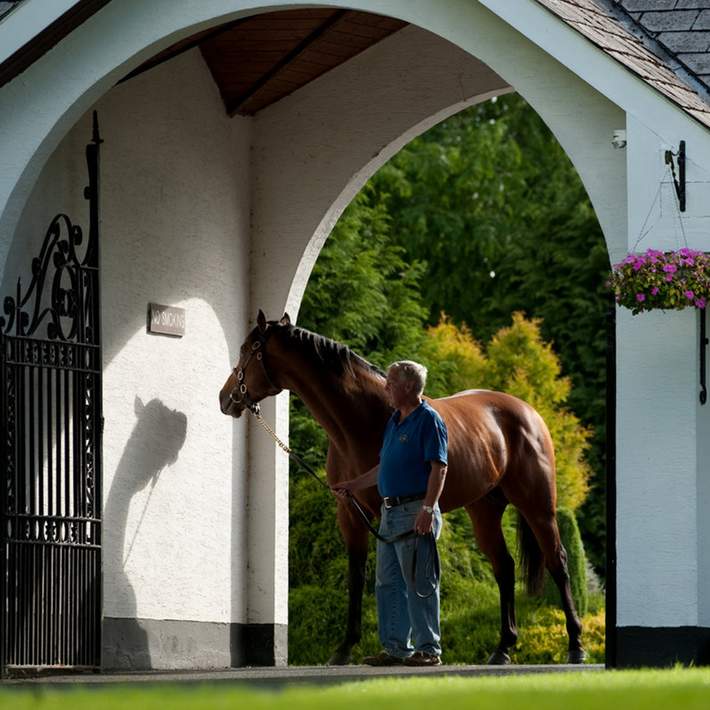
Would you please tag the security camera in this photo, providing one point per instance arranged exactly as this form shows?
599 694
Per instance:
618 139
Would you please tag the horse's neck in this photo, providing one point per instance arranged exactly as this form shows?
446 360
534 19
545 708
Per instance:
348 414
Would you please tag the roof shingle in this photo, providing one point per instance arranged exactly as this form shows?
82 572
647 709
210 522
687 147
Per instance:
601 24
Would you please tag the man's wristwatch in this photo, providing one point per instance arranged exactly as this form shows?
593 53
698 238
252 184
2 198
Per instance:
428 508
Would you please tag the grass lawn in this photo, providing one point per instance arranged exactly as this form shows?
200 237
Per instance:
682 688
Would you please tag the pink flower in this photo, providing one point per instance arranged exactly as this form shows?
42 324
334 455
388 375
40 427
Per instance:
669 277
689 294
700 302
640 297
654 291
670 268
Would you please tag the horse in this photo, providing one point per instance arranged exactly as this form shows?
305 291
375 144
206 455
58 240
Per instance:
500 453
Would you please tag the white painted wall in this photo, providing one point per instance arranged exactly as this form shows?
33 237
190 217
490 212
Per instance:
657 386
702 509
175 228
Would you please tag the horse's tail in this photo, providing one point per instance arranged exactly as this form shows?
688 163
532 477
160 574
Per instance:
531 558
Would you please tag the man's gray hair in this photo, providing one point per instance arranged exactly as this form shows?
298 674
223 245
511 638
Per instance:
410 371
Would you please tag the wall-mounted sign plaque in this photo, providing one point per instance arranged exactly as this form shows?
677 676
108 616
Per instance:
166 320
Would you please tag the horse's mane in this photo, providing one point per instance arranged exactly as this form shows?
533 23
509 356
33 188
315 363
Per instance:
336 357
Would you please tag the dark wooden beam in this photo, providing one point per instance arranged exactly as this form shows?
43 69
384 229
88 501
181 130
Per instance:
49 37
179 48
337 17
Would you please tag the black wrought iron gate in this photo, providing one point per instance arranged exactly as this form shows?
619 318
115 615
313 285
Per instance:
51 427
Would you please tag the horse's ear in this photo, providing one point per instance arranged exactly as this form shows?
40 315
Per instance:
285 320
138 406
261 321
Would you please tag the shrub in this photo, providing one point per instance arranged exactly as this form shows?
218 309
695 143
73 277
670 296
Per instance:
519 362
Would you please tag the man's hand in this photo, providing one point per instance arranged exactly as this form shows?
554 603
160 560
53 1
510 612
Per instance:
424 522
342 490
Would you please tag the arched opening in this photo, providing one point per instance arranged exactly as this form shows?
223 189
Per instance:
367 291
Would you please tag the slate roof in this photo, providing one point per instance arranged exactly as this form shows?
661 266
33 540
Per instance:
681 27
619 35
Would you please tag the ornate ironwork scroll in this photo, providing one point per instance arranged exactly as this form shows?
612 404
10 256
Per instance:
50 439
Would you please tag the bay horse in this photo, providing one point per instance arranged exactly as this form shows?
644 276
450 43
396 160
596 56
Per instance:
500 452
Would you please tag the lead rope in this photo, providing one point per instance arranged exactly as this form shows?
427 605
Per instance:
433 563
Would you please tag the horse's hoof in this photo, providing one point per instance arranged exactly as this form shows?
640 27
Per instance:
499 658
341 657
576 655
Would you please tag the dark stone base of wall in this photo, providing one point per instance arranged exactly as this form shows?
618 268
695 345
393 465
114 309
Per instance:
638 646
144 644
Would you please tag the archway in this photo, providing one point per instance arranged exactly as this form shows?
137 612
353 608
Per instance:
310 154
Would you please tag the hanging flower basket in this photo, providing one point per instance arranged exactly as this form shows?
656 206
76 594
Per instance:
662 280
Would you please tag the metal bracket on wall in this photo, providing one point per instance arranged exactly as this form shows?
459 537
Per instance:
679 181
703 350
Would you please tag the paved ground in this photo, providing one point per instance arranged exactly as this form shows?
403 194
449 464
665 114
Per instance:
281 677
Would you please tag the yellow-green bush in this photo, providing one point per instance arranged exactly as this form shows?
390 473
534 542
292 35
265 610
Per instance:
518 362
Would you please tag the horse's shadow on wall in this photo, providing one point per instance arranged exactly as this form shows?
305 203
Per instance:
154 445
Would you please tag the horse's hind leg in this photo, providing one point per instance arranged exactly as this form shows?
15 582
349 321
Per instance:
548 536
355 537
486 514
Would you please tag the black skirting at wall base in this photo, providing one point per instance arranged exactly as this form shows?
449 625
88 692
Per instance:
638 646
260 645
144 644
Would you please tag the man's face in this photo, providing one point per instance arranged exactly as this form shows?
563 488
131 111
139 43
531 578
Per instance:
399 391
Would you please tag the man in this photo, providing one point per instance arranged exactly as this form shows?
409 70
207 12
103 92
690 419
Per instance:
410 478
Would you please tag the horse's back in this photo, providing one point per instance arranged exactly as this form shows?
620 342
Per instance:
490 434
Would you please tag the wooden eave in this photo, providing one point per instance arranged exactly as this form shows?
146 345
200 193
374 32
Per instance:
260 59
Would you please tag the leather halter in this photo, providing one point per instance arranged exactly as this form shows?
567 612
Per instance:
239 394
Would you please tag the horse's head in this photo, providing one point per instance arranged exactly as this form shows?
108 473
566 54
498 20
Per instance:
251 380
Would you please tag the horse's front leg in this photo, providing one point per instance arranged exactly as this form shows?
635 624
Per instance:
355 536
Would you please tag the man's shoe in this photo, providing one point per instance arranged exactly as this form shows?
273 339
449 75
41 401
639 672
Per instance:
419 658
383 659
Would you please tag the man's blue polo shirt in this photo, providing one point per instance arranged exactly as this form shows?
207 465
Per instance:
407 449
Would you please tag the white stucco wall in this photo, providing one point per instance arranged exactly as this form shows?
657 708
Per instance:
175 230
656 461
702 504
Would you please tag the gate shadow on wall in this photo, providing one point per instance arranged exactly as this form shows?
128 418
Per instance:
154 445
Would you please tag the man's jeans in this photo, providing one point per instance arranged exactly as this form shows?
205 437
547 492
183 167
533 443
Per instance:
401 613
